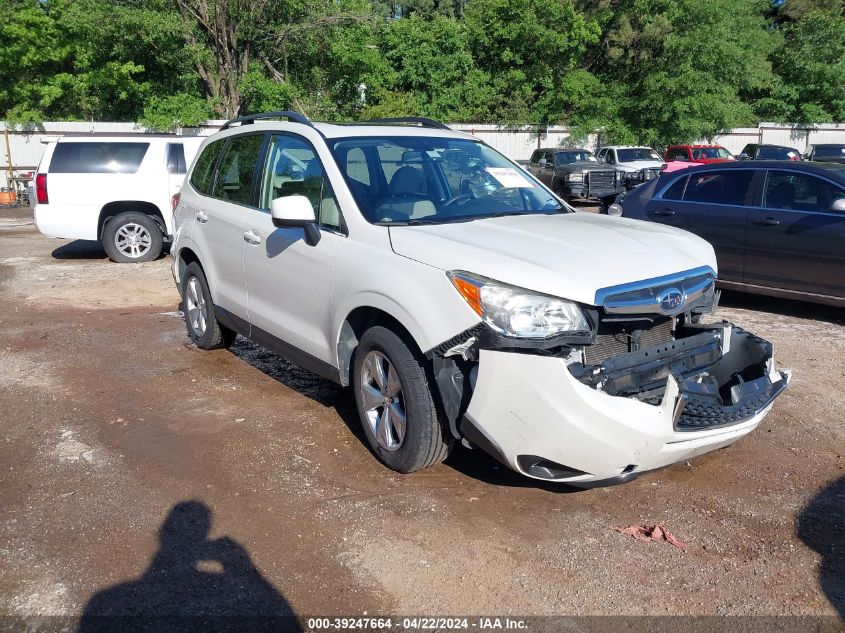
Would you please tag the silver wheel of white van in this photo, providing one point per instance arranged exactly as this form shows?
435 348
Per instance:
133 240
383 401
132 237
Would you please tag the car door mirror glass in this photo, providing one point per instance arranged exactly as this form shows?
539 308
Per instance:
838 205
292 211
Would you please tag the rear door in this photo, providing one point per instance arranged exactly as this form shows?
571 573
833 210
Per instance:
795 240
219 220
713 204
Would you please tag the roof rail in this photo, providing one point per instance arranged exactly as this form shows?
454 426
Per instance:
295 117
416 120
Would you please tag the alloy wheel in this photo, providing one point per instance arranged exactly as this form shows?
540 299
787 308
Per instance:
383 401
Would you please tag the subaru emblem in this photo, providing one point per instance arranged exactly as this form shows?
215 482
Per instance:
671 300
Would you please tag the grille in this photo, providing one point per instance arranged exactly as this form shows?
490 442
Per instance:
620 338
600 180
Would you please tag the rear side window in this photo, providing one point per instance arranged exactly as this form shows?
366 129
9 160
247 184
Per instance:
719 187
676 190
97 158
204 168
176 158
237 169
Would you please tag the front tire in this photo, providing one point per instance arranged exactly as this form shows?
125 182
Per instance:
202 324
395 403
132 238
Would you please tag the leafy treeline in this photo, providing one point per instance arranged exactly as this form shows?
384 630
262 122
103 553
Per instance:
649 71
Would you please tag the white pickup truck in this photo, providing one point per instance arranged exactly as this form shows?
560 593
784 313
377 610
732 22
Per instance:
114 189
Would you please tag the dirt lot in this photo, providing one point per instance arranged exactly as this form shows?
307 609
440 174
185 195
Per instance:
121 441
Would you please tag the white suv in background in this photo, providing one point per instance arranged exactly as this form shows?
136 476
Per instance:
114 189
462 300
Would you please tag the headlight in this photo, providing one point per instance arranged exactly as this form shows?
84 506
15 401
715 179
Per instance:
614 209
517 312
575 177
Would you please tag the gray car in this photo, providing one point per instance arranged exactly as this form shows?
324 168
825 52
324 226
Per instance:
576 174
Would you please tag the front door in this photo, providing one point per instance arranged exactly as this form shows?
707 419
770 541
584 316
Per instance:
290 282
796 241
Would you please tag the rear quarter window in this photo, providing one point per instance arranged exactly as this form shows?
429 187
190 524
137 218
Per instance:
203 173
97 158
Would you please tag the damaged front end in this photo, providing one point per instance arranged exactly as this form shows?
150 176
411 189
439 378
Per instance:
647 344
724 374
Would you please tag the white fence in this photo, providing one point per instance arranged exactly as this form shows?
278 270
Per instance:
27 146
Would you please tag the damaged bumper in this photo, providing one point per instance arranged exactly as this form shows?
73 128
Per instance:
583 419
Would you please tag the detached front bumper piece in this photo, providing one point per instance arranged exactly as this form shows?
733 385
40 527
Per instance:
582 421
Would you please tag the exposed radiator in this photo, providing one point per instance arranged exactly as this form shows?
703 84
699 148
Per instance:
614 339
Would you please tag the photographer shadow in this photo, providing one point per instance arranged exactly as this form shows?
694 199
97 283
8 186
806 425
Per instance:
192 583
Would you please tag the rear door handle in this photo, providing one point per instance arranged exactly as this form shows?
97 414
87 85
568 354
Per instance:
664 212
202 216
767 221
251 237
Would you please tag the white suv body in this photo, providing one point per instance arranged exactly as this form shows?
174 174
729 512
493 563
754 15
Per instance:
630 158
463 301
114 189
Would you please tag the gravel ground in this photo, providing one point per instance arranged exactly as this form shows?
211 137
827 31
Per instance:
136 470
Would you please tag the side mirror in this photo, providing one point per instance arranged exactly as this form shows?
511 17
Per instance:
294 212
742 156
543 162
838 205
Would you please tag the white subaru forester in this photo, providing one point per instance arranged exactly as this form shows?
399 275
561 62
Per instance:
462 300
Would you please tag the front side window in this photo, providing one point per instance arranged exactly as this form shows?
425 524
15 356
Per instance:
801 192
636 153
201 176
237 169
435 180
719 187
98 158
293 168
679 153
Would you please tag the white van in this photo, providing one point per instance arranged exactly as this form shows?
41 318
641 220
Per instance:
114 189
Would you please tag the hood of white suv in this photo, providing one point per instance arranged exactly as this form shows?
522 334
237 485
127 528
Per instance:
570 255
636 165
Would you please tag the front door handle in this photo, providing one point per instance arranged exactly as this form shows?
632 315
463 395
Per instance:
201 216
251 237
767 221
664 212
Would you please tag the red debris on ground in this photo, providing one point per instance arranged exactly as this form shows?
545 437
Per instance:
651 533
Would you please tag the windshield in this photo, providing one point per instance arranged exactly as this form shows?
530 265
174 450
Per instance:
425 180
710 152
636 153
829 151
566 158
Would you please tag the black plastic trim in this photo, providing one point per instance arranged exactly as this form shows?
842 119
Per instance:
277 345
416 120
294 117
472 432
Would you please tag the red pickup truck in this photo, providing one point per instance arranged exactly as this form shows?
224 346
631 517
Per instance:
702 154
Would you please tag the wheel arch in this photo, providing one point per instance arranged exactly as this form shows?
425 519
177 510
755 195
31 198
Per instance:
359 320
115 208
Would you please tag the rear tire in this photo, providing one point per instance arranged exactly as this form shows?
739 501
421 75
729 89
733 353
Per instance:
131 238
202 324
411 436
